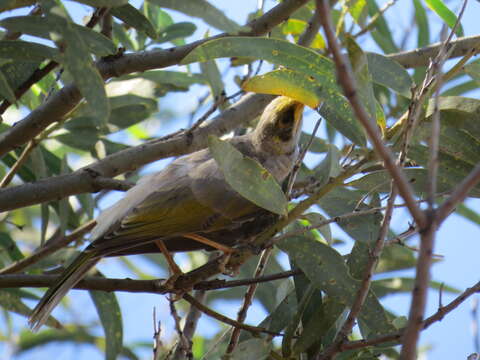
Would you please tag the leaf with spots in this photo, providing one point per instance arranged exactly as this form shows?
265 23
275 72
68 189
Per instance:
316 68
247 177
327 270
111 318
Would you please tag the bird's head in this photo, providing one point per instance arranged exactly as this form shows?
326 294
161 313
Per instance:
279 128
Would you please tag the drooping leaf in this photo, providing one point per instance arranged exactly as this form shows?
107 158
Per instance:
395 285
8 246
423 37
358 10
439 8
362 75
473 70
329 167
381 32
327 270
133 17
256 348
111 318
175 31
27 51
212 74
289 83
12 302
247 177
468 213
343 201
336 108
5 90
44 26
389 73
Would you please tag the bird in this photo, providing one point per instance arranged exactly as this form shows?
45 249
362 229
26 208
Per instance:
186 206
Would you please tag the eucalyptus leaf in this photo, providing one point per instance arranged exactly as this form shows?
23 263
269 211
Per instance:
111 318
133 17
247 177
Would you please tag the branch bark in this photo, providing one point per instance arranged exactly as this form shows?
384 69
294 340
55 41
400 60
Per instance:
66 99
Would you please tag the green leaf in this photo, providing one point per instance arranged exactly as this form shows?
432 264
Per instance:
439 8
336 108
418 178
44 27
111 318
247 177
468 213
175 31
473 70
385 287
123 37
461 88
358 10
27 51
327 270
203 10
292 327
17 72
257 348
212 74
80 65
421 19
329 167
381 33
131 16
289 83
395 257
12 302
362 75
163 77
342 201
10 247
318 325
318 145
389 73
5 90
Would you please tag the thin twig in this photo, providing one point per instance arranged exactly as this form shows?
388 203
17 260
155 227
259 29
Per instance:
247 299
346 79
427 232
157 342
365 283
20 161
183 343
207 311
43 252
438 316
39 74
373 20
301 156
458 195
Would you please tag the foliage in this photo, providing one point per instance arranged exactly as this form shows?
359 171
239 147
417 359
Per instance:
111 101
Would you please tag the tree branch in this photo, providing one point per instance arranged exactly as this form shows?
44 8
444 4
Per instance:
421 57
83 180
346 80
66 99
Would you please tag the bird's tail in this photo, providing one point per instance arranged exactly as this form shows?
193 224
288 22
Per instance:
70 277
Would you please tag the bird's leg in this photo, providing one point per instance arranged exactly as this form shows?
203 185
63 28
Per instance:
172 265
227 251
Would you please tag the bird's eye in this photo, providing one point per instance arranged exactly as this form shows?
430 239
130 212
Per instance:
287 117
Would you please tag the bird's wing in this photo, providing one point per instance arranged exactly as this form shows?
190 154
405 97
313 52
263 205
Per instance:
160 206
